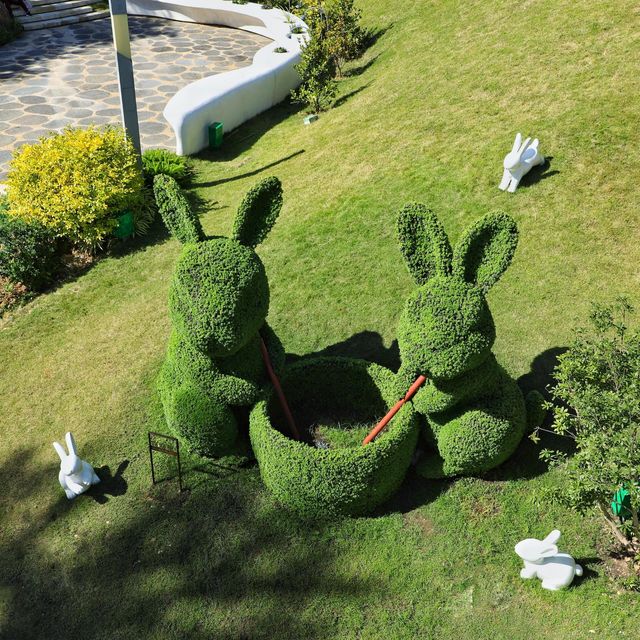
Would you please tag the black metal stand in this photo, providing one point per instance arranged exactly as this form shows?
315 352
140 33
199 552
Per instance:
170 452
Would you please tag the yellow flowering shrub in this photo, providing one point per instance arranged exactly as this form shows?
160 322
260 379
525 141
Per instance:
77 182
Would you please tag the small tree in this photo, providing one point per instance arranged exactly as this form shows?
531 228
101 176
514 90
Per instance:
317 70
339 22
598 386
345 36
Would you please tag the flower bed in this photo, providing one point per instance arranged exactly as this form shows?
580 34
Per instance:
325 483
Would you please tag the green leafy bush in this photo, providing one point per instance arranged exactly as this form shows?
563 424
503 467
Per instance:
340 28
175 210
317 69
597 406
76 182
163 162
28 252
218 303
328 483
474 413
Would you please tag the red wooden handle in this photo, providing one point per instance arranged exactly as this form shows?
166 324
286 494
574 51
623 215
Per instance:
276 385
420 380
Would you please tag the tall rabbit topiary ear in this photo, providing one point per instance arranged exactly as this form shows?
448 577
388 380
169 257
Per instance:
485 250
182 223
258 212
423 243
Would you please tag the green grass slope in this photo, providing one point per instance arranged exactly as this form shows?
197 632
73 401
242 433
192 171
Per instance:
427 115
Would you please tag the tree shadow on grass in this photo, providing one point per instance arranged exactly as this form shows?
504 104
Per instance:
218 562
372 35
353 72
249 174
344 98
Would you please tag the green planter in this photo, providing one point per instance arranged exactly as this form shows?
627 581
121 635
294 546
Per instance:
329 483
125 226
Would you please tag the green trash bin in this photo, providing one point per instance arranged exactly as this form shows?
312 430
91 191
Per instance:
125 226
215 135
621 505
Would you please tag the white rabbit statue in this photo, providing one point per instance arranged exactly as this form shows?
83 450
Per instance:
542 560
519 161
76 475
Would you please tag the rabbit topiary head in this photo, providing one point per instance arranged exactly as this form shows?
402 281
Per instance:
446 328
219 293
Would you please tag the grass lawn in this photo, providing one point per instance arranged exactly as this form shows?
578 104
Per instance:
427 115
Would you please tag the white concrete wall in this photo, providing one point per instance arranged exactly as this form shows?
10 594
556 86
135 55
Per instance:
235 96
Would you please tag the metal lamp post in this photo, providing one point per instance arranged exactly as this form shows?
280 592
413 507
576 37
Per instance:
124 64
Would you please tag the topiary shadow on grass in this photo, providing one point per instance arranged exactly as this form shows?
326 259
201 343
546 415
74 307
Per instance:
223 549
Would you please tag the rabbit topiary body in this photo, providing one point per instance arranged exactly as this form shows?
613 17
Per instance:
218 302
474 412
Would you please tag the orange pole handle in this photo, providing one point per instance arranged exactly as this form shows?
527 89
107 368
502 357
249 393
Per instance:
276 385
420 380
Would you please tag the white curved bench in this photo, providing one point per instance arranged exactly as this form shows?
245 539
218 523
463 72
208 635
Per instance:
232 97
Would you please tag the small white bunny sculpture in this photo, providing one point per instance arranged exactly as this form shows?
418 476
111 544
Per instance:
518 162
542 560
76 475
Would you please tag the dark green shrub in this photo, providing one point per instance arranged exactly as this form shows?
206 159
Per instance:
321 483
163 162
177 215
219 295
477 435
474 413
9 31
28 252
218 303
258 212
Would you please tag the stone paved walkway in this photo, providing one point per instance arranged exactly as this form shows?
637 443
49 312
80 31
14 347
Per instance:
66 76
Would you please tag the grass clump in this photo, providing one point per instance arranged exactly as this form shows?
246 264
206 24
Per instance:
163 162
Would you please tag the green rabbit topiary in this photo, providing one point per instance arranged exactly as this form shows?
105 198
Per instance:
218 302
474 412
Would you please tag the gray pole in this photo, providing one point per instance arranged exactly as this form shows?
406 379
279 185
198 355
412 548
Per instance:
122 44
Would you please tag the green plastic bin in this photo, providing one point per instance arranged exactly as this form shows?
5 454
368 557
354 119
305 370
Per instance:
125 226
215 135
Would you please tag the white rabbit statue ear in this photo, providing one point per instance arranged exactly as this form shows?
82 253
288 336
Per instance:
517 142
548 550
71 444
60 449
525 146
553 537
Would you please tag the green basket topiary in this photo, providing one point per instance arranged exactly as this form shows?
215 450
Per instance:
325 483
